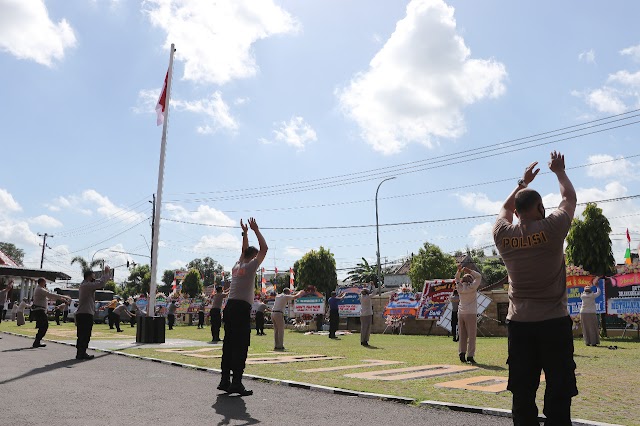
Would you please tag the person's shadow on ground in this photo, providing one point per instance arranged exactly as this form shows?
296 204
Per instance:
232 408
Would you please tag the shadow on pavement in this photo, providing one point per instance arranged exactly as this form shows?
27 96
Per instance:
18 349
232 408
489 367
49 367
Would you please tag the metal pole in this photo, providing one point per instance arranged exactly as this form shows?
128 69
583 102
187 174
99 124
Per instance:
158 206
378 236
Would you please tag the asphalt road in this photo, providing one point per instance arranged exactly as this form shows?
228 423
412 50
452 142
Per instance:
47 386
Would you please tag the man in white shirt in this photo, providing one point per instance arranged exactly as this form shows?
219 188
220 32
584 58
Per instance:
86 310
39 309
4 294
277 316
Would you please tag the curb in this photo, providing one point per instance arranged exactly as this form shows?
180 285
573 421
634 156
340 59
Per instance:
498 412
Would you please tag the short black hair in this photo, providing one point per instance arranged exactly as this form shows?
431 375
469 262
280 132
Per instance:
333 293
218 289
41 280
87 274
527 199
250 252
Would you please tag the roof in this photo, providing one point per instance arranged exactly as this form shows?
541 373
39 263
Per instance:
403 269
18 271
6 260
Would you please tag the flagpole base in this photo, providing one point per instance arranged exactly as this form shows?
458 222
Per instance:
150 330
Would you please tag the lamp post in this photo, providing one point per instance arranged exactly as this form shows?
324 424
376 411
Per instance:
378 236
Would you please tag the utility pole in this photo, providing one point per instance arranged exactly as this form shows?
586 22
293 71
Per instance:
44 244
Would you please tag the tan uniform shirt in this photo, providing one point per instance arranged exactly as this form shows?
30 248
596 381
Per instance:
534 257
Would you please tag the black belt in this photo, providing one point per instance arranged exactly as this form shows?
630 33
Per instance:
277 312
35 307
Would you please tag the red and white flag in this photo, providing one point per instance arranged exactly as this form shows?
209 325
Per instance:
161 106
291 278
628 236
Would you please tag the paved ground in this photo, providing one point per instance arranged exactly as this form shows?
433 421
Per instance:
46 386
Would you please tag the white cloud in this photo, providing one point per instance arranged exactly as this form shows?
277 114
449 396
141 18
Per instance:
7 203
419 82
17 232
177 264
27 32
293 252
215 39
214 108
204 214
619 93
606 100
297 133
633 51
106 208
223 241
45 221
588 56
480 202
606 166
91 200
482 234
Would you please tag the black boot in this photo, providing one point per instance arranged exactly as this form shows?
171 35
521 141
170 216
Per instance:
462 357
471 360
225 382
238 387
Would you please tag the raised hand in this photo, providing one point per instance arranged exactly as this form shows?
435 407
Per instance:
244 227
529 173
253 224
556 163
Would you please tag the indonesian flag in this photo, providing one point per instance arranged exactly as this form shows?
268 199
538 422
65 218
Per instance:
276 271
162 102
628 236
291 278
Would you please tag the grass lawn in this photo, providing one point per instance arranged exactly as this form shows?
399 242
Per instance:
608 381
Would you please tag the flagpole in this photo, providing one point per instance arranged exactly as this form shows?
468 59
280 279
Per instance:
156 221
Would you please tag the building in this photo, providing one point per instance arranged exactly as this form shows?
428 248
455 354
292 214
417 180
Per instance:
25 279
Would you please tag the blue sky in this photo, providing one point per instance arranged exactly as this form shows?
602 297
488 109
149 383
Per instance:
274 102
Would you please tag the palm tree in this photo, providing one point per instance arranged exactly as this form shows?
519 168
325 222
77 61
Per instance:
86 266
363 273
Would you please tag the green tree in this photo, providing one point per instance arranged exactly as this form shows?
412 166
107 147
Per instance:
588 242
84 265
110 285
430 263
138 282
493 270
15 253
317 268
363 273
167 281
210 269
192 284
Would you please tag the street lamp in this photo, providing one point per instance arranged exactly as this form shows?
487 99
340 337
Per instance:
94 255
378 235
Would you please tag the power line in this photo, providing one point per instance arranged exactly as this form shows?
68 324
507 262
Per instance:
553 133
433 191
312 228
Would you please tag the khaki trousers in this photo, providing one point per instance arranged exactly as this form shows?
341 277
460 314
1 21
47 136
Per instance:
278 329
468 326
365 328
590 330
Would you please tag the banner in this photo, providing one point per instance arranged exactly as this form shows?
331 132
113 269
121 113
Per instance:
309 304
623 293
445 319
624 306
575 288
350 305
180 275
435 295
404 303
